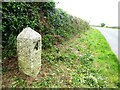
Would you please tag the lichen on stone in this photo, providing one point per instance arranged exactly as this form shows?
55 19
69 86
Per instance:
29 52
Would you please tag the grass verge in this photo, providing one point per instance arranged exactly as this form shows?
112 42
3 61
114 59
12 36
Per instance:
84 61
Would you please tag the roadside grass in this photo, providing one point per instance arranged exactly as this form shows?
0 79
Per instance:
105 60
84 61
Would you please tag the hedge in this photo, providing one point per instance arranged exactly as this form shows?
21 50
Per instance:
53 24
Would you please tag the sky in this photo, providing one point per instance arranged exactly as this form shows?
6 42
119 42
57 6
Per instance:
93 11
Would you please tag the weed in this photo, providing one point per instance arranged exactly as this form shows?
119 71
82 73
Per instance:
18 82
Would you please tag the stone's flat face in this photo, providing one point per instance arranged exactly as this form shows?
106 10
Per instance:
29 52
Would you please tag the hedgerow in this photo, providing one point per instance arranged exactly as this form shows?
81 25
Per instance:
53 24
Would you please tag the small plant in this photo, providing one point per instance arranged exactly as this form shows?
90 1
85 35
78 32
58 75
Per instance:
18 82
87 58
73 56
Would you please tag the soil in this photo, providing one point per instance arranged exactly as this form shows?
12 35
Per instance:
10 69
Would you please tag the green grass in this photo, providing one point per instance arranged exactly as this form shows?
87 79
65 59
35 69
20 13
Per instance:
84 61
105 61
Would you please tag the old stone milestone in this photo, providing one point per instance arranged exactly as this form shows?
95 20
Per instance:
29 52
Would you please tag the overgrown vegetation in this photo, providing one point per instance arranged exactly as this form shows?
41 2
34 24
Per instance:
53 24
79 62
70 56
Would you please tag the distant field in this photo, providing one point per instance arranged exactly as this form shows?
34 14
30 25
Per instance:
107 27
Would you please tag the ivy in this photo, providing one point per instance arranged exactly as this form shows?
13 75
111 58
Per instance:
55 25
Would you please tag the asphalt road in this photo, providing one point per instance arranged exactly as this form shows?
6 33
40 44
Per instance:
111 36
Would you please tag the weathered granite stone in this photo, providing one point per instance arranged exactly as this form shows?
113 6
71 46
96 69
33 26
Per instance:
29 52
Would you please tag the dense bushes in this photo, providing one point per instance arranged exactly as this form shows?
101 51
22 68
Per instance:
15 17
53 24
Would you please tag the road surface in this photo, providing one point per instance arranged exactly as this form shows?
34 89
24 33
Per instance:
111 36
